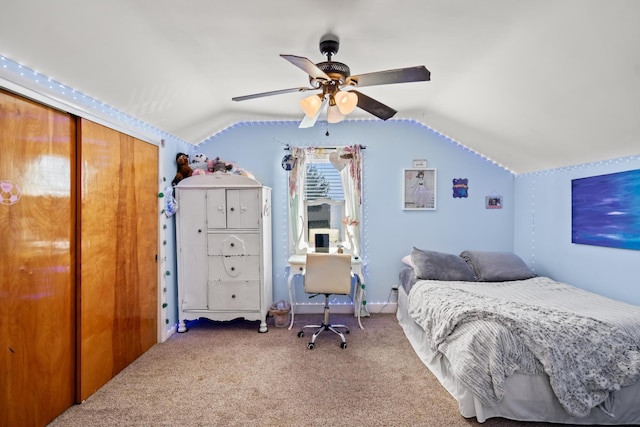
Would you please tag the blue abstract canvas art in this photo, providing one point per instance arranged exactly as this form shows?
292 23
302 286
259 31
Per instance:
605 210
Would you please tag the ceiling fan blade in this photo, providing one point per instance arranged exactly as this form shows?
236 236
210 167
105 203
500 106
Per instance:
374 107
274 92
400 75
307 66
307 121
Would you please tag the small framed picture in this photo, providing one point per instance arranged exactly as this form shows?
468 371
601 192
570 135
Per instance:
420 164
493 202
419 189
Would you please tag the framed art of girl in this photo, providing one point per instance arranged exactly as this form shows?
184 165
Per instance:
419 189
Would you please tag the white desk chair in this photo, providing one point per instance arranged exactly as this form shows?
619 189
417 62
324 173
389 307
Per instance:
327 274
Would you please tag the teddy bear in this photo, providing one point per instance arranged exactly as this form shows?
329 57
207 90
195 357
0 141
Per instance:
184 170
219 165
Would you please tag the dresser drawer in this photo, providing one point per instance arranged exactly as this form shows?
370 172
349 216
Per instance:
233 244
234 295
234 267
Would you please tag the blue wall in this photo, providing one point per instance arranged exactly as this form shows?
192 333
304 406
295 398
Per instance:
389 231
535 221
543 233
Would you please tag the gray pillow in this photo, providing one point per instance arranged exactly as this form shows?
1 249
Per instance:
430 265
497 266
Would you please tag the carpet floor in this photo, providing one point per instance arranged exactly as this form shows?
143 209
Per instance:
228 374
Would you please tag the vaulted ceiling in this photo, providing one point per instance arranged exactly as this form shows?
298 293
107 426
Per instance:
532 84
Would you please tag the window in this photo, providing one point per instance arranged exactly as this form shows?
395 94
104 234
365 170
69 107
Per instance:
325 197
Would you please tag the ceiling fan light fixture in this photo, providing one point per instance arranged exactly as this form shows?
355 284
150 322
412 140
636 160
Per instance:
346 102
334 115
330 76
311 104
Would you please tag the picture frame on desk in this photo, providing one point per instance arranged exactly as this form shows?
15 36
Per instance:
419 189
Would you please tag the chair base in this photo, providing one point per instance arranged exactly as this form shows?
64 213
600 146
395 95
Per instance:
325 326
322 328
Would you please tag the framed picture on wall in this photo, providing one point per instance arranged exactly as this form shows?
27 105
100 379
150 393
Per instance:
493 202
419 189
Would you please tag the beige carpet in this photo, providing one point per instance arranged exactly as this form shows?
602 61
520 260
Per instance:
228 374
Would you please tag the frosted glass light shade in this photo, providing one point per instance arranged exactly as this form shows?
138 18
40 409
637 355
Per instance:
346 102
334 115
311 104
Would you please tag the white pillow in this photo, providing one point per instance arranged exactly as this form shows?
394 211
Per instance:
407 260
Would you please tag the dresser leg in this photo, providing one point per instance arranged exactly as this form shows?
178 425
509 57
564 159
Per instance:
182 326
263 326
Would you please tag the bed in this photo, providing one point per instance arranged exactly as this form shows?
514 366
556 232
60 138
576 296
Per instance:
507 343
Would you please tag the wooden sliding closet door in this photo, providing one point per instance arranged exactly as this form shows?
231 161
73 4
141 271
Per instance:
37 282
118 232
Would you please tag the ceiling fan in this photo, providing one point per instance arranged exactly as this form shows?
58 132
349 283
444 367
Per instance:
337 86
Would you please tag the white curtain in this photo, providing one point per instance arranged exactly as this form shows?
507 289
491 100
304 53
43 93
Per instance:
297 214
352 189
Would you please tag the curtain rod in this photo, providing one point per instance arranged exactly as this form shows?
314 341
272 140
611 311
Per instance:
288 147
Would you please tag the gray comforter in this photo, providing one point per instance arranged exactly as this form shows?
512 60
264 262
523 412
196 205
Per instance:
587 344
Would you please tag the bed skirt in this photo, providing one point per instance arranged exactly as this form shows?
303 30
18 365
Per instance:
526 397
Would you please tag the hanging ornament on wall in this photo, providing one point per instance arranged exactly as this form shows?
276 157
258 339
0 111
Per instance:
287 162
339 161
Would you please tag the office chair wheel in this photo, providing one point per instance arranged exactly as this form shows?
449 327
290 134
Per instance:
300 334
343 345
310 346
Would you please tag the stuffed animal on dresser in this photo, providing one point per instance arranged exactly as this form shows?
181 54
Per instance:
219 165
184 170
199 164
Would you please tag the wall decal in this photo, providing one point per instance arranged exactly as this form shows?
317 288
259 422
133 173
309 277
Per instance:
605 210
10 193
460 187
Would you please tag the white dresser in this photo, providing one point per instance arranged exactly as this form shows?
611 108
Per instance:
223 232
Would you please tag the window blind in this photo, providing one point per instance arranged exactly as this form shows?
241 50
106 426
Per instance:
322 180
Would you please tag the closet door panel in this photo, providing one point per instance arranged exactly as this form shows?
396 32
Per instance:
118 246
37 273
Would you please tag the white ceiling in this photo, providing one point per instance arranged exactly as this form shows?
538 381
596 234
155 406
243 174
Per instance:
531 84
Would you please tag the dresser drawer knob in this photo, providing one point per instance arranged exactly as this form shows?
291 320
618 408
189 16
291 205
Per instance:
233 296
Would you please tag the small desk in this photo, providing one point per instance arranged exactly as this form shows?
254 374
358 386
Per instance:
296 266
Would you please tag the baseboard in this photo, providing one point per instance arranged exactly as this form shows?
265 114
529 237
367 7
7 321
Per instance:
373 308
311 308
168 333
